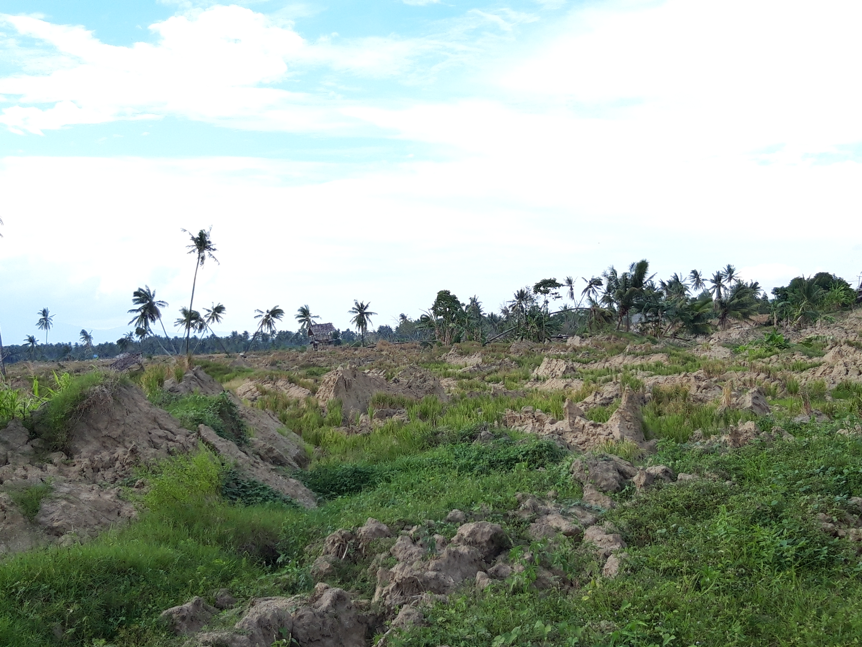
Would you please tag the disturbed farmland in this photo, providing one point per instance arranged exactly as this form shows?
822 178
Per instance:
611 489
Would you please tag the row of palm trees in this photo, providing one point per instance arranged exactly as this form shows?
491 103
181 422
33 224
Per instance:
681 305
148 311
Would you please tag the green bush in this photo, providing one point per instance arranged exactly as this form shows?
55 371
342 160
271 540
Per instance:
218 412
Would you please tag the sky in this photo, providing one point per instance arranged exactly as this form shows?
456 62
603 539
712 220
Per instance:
388 149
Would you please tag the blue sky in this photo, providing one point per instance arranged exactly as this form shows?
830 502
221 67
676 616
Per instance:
382 151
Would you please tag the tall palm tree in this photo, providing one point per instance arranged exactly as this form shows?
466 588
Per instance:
45 322
87 340
214 316
267 323
569 284
730 275
622 291
190 320
697 282
202 247
148 312
521 300
30 340
718 288
361 317
305 318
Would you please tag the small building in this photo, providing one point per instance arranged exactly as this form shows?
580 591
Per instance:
324 333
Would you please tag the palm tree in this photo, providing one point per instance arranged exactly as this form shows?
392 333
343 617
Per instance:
697 282
141 334
124 341
30 340
361 317
623 290
190 320
521 300
305 318
148 312
202 246
569 284
738 302
214 315
475 317
266 325
87 340
45 322
718 287
730 275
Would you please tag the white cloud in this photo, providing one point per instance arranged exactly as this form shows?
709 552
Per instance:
223 65
725 75
420 3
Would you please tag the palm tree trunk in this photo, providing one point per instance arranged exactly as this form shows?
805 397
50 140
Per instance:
2 362
191 302
166 339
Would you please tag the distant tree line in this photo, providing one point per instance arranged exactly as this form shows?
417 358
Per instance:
682 306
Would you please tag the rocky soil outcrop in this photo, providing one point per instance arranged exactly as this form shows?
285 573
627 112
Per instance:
355 388
253 390
575 431
117 431
326 618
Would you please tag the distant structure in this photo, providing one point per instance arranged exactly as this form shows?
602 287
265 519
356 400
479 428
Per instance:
321 334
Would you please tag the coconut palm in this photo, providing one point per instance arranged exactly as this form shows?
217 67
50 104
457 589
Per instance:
31 342
738 302
730 274
623 290
45 322
267 323
124 342
305 318
521 301
87 340
214 316
148 312
142 334
697 282
718 288
202 247
190 320
361 317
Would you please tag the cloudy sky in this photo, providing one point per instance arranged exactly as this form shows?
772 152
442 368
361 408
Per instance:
386 149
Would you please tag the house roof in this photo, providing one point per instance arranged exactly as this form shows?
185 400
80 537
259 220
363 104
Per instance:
322 329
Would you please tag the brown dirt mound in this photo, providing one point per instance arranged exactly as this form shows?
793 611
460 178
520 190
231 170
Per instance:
355 388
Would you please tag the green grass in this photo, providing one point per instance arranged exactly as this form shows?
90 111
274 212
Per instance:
29 498
218 412
222 372
80 393
734 558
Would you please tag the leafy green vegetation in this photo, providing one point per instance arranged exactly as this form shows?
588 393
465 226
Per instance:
74 396
29 499
218 412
